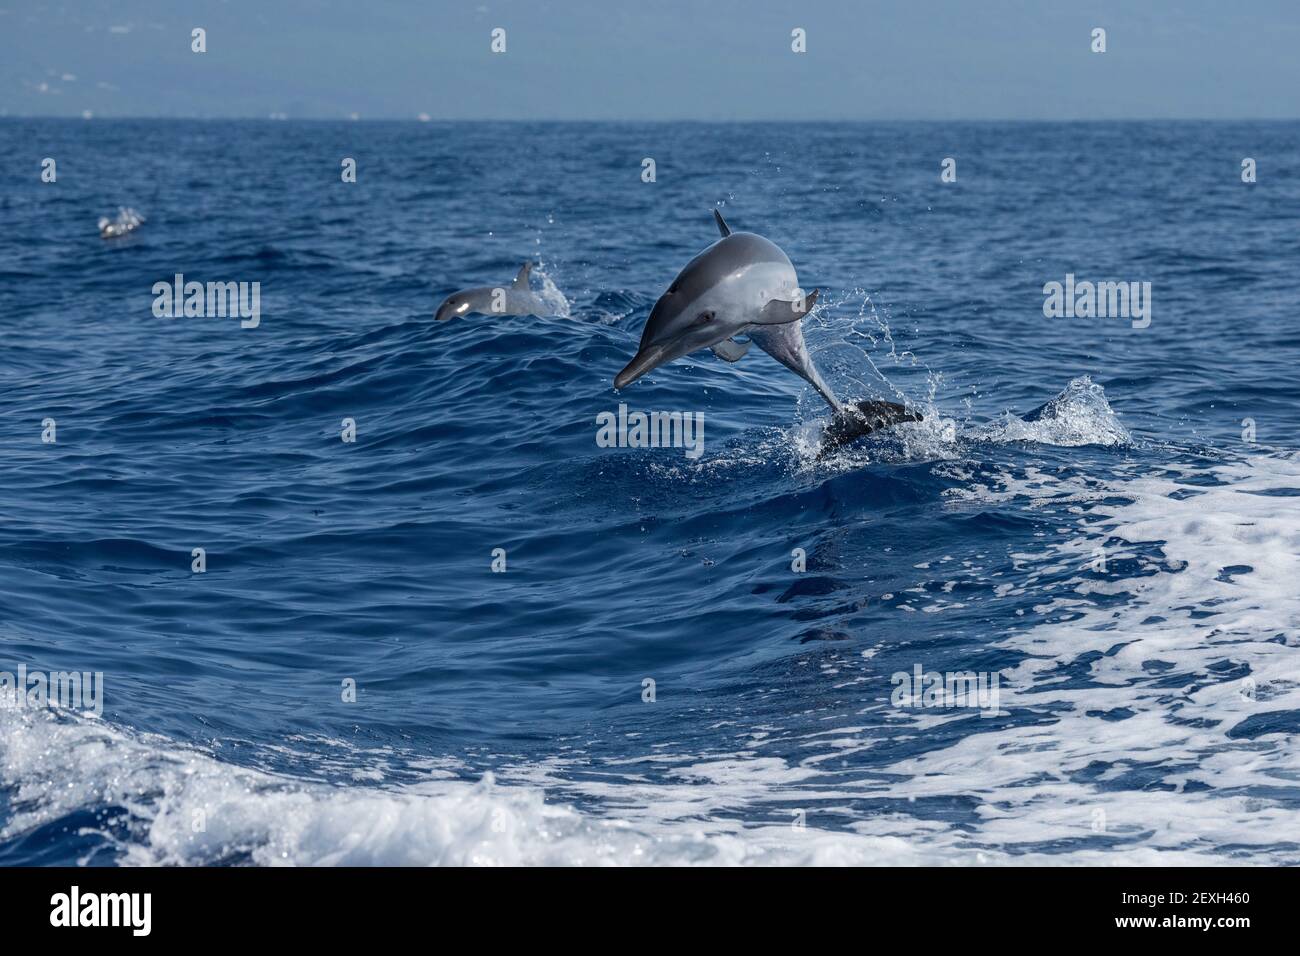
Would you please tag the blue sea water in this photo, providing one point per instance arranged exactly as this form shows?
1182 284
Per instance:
1125 564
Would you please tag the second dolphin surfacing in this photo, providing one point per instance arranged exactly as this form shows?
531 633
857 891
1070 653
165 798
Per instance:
745 284
518 298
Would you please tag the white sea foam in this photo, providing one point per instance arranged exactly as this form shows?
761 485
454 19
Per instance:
1230 638
58 764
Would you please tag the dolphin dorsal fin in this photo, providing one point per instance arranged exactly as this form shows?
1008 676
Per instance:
722 224
521 280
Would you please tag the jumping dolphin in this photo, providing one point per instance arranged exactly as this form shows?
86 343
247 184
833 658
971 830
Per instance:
516 299
744 284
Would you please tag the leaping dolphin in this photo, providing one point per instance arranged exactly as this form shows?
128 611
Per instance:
515 299
744 284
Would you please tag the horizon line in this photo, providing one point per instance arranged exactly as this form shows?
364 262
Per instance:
698 120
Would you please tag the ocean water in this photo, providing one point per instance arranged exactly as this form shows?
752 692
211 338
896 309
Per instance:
1124 563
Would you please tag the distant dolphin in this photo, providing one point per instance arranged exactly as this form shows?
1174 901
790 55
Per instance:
516 299
744 284
127 221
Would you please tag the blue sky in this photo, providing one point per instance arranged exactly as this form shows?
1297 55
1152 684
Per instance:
655 59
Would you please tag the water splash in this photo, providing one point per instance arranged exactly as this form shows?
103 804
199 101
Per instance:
556 302
1079 415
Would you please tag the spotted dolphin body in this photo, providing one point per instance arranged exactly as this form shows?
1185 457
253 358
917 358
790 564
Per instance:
514 299
744 284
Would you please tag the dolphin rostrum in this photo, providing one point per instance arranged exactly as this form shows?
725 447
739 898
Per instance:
744 284
515 299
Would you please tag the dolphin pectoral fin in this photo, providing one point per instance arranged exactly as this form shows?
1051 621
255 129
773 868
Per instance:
722 224
781 311
521 280
863 418
729 350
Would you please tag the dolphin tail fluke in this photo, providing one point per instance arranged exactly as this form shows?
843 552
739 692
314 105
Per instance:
781 311
521 280
863 418
722 224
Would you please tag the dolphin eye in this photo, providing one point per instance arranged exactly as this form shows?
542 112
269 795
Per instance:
703 318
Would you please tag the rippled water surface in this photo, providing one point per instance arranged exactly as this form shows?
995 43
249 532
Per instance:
1125 563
